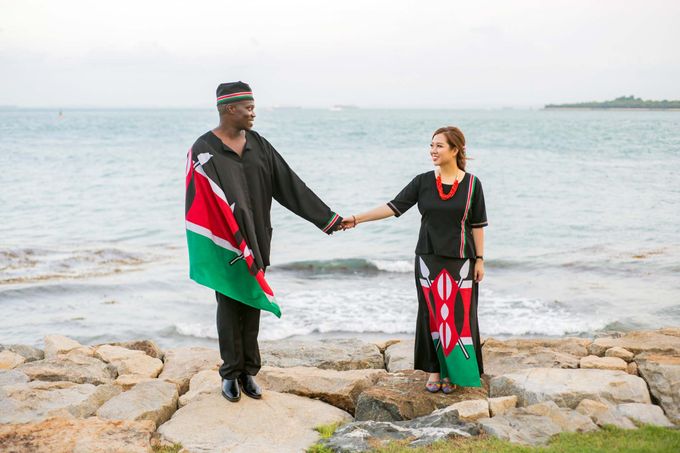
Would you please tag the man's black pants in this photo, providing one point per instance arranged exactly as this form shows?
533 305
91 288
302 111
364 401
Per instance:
237 327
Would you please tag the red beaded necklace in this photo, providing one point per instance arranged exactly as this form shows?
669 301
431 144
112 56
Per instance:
440 189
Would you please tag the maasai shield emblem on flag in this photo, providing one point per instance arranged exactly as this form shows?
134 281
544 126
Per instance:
449 307
218 254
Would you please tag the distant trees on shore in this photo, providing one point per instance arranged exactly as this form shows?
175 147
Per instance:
623 102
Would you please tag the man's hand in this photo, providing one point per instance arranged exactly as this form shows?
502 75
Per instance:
348 223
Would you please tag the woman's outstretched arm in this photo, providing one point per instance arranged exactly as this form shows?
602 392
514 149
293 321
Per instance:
381 212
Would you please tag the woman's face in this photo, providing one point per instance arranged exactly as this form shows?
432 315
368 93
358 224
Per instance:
440 151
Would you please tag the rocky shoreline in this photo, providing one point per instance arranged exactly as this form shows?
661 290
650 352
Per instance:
132 396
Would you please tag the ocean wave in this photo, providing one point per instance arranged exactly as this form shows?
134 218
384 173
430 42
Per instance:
508 315
609 264
196 330
30 265
349 266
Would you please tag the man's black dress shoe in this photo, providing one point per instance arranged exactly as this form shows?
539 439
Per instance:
230 390
249 386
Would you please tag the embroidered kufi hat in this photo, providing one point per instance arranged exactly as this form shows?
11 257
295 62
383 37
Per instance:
234 92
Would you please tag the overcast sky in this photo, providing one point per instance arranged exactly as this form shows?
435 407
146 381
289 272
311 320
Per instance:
394 53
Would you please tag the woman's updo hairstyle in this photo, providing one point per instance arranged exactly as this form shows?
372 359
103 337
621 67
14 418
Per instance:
455 139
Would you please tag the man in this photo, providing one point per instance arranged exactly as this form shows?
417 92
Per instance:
232 175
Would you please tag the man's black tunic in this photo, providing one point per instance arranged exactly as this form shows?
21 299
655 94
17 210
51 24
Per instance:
251 180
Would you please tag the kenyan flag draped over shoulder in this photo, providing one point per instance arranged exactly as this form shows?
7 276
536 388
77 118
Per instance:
218 254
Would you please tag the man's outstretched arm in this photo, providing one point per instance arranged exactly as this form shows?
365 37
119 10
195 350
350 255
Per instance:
293 194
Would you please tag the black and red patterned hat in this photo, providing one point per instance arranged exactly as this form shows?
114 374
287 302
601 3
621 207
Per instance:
234 92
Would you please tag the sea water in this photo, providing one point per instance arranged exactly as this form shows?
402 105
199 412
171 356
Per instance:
583 209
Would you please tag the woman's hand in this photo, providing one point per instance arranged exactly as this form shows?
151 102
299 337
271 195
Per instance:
348 223
479 270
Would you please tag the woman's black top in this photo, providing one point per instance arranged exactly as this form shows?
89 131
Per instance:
446 225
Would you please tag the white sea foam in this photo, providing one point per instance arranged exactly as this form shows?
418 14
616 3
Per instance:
401 266
507 315
196 329
28 265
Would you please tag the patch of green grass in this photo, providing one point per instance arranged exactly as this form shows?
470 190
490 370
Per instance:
318 448
327 431
610 439
459 444
646 439
174 448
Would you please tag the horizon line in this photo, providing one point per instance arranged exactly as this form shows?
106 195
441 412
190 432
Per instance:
343 107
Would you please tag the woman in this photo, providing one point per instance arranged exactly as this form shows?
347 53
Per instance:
449 263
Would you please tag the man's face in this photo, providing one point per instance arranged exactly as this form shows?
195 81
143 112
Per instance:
243 114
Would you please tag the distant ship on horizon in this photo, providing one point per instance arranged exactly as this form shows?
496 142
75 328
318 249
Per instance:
340 107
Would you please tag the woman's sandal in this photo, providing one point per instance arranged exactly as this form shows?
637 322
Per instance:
448 387
433 386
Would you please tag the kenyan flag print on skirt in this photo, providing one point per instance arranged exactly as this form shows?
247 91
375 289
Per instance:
448 291
218 254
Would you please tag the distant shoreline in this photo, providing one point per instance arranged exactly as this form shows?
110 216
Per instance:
655 109
620 103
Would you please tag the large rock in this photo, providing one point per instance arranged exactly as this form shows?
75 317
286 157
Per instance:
210 423
37 400
402 396
331 354
644 413
672 331
74 368
202 383
502 404
129 362
399 356
56 345
471 409
536 424
27 352
604 414
148 347
638 342
11 377
367 435
603 363
155 400
181 364
567 419
141 365
577 347
619 352
127 381
520 427
384 344
662 374
9 360
515 355
109 353
92 435
568 387
338 388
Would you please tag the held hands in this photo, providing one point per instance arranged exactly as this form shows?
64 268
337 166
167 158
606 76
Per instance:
347 223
